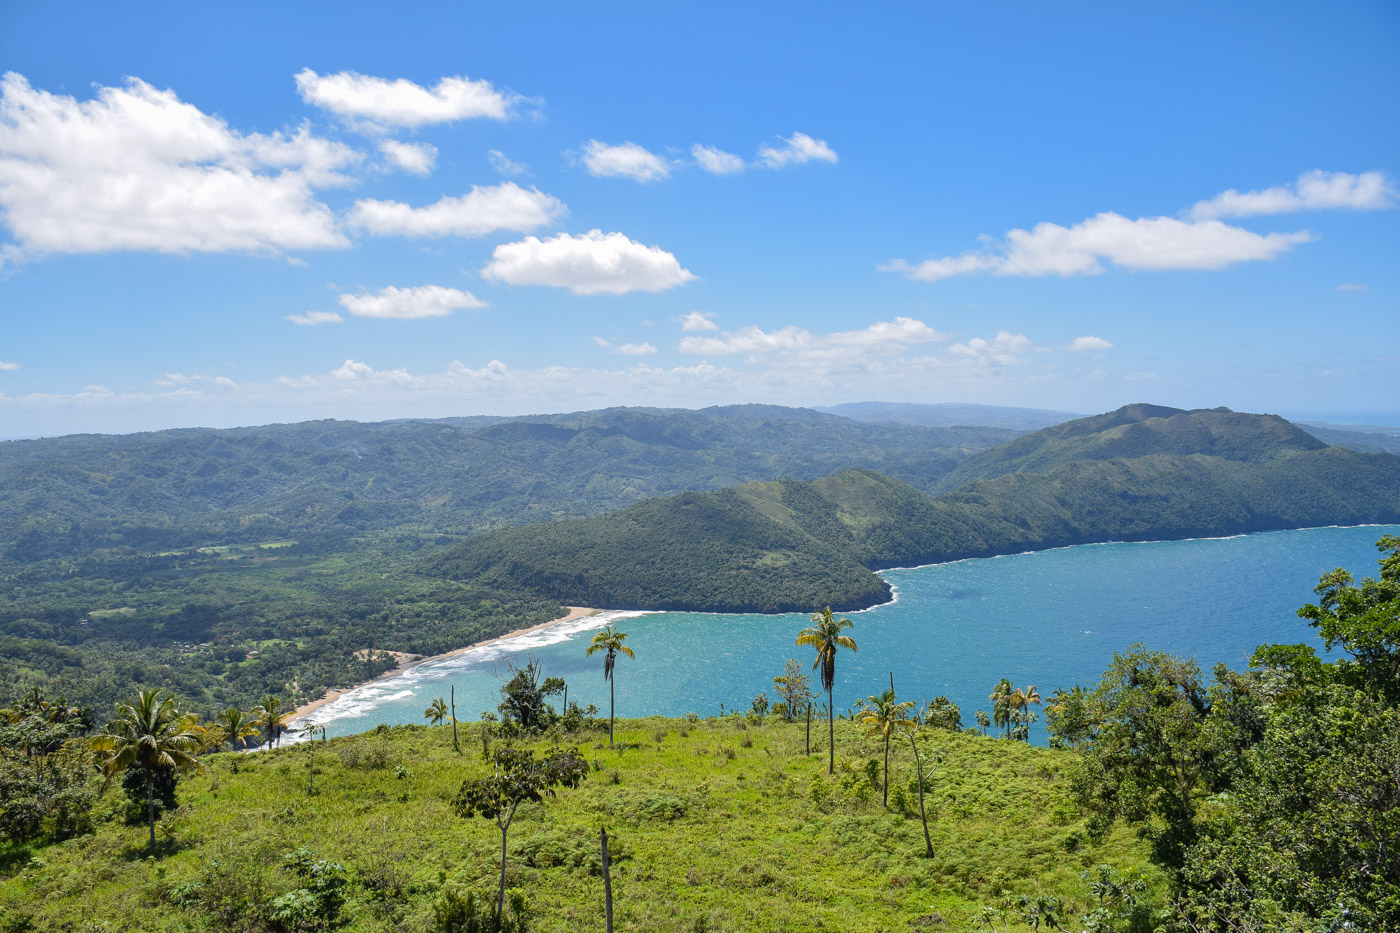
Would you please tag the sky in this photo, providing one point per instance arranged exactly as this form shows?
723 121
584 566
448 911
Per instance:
238 214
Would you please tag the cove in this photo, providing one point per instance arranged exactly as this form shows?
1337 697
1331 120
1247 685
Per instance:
1050 618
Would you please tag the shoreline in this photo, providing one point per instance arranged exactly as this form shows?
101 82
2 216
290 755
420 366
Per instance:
408 662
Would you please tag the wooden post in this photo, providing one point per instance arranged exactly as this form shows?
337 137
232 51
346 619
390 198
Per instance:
607 880
454 719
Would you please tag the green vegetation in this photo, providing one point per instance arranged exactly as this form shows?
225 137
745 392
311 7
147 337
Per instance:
610 642
797 546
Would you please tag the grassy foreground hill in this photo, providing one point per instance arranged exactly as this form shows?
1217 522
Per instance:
715 825
797 546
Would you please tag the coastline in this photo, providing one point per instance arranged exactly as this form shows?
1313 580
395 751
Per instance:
409 662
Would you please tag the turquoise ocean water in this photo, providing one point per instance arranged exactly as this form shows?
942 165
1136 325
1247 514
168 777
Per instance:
1050 618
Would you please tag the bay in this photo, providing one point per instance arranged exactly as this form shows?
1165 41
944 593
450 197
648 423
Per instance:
1050 618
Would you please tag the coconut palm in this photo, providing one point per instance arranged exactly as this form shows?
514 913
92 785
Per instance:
268 714
880 715
149 732
436 711
1028 696
611 641
825 636
234 727
1001 704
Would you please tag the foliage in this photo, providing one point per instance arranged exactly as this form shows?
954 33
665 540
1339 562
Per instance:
942 713
523 697
455 912
316 904
825 637
610 642
793 687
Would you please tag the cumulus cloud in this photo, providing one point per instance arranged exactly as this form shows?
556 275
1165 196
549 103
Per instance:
635 349
1088 344
628 160
136 168
400 102
1006 349
506 206
180 379
415 158
315 317
1313 191
591 263
699 320
601 342
410 303
716 161
795 150
8 367
505 166
884 337
1154 243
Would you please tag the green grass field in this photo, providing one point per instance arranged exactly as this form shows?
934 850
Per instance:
716 825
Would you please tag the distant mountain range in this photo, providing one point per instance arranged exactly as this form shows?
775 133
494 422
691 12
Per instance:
1139 473
949 414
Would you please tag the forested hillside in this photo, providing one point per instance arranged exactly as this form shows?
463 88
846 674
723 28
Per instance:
799 546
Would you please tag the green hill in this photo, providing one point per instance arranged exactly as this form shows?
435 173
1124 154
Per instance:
796 546
1139 431
719 824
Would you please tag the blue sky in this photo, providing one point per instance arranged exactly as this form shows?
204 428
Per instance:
277 212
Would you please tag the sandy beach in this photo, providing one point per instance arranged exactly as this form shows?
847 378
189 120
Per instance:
409 661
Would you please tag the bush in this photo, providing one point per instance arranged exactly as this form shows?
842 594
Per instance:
455 912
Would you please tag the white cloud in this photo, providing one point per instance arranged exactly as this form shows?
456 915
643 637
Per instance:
628 160
401 102
1006 349
1155 243
8 367
635 349
506 206
415 158
1313 191
316 317
601 342
590 263
1352 287
180 379
505 166
410 303
699 320
136 168
1087 344
795 150
717 161
884 337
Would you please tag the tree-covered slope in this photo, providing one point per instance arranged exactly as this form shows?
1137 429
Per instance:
70 496
1139 431
799 546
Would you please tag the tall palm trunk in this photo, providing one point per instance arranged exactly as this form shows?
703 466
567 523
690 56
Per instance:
151 804
885 801
919 764
612 708
830 733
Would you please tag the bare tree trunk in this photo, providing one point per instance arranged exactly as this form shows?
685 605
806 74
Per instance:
454 718
607 881
885 800
501 897
919 764
612 707
809 728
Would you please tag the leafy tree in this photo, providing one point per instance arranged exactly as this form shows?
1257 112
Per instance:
149 732
518 776
943 713
1364 621
825 636
794 687
1068 719
316 904
45 768
610 641
910 727
523 697
880 714
436 711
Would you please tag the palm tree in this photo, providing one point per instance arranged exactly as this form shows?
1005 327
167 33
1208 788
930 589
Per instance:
825 636
268 714
149 732
611 641
1028 696
235 726
1001 704
881 714
436 711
